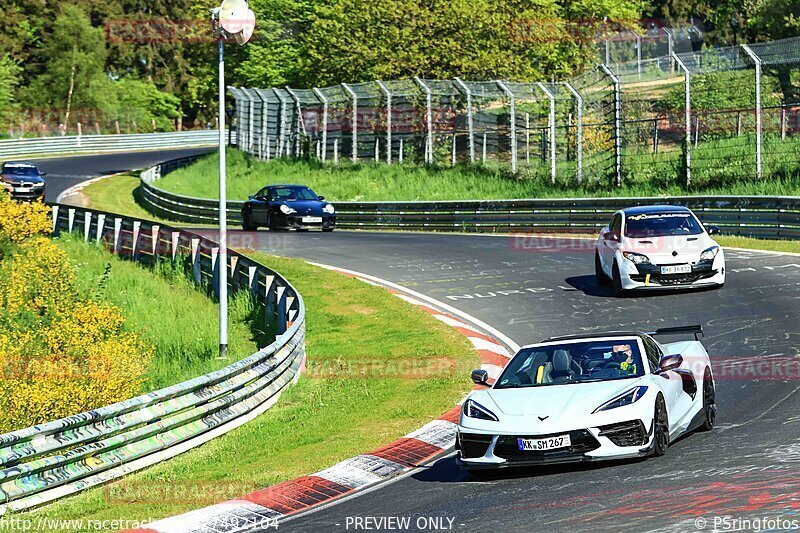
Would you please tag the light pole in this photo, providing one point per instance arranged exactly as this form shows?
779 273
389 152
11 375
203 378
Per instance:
231 20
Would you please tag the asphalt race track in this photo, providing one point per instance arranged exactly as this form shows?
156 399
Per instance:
64 172
531 288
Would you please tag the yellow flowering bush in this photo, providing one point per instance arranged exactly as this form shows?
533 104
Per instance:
60 352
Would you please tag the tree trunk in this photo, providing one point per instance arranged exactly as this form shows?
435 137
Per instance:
785 81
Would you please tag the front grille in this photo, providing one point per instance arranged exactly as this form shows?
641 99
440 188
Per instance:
582 442
473 445
630 433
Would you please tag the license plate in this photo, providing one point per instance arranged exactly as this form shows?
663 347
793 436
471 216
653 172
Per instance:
23 189
312 220
676 269
550 443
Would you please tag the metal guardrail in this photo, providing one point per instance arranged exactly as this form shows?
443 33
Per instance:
51 460
108 143
766 217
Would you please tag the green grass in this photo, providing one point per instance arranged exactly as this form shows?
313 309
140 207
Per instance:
320 421
164 306
648 175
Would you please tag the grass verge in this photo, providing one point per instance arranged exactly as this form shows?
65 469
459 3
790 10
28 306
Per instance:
332 413
381 182
164 306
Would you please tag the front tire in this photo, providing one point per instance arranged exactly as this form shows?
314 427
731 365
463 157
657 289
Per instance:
709 402
327 230
602 278
660 428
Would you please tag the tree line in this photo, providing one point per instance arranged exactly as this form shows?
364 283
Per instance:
151 64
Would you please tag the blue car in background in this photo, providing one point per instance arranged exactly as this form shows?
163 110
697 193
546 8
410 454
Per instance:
284 207
23 181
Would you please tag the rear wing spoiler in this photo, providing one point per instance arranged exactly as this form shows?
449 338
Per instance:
696 330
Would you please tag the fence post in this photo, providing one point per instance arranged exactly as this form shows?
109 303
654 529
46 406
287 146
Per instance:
670 50
300 127
639 55
388 95
483 151
552 128
70 219
617 123
215 281
324 122
757 63
117 234
470 118
175 243
281 304
354 126
154 231
336 151
135 245
513 123
428 120
528 139
579 129
688 116
196 260
269 301
55 220
264 137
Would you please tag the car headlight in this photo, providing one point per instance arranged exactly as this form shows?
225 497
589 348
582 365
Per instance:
637 259
473 409
329 209
709 254
286 210
626 398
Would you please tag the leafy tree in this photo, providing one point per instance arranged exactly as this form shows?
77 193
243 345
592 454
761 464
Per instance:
9 79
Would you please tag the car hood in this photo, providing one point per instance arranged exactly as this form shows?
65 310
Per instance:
670 249
558 401
306 207
13 178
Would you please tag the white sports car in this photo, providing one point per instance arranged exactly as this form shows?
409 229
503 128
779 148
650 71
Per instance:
653 247
586 398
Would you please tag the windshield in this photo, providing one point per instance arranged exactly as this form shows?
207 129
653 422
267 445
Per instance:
287 194
573 362
20 171
661 225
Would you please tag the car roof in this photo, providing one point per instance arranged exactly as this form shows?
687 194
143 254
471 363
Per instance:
286 185
590 336
643 209
19 164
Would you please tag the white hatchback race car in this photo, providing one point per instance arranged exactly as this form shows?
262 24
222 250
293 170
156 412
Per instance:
588 398
657 247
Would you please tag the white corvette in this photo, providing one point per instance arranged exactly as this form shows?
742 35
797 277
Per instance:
653 247
587 398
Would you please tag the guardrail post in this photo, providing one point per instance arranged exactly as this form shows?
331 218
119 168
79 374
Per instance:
281 303
70 219
196 261
579 132
269 302
154 232
252 280
354 125
55 220
513 124
215 281
470 121
117 234
687 143
174 242
135 245
101 222
617 124
234 272
388 94
552 127
87 224
757 62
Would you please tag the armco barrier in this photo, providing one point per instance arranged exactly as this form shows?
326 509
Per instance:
45 462
107 143
768 217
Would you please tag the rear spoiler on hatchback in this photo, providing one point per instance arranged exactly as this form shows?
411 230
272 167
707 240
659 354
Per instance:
696 330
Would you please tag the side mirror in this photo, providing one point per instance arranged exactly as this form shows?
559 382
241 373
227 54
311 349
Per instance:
611 236
43 174
669 362
713 230
321 198
480 377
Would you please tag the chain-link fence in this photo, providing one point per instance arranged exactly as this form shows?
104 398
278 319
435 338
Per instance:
691 116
